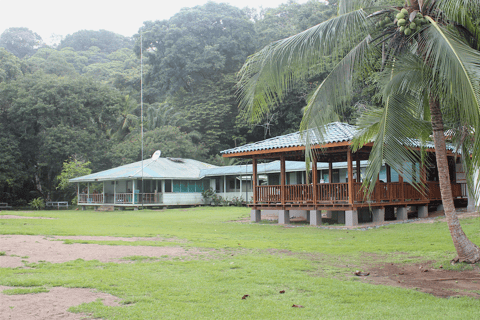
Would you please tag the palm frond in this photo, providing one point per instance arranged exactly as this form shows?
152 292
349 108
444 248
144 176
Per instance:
268 74
457 81
400 127
334 92
462 12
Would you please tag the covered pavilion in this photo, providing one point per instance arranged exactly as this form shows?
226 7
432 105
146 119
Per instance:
347 197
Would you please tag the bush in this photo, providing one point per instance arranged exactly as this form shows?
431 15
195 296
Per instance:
37 203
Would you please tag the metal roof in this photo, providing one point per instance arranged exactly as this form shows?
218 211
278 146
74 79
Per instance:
161 168
334 132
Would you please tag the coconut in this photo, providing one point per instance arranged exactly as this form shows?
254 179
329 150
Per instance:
404 11
387 20
400 16
402 29
419 15
401 22
408 31
413 26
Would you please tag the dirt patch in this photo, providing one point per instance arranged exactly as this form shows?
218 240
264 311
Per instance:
7 216
424 278
420 276
50 305
20 249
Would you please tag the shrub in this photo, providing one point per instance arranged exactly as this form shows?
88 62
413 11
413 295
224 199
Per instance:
37 203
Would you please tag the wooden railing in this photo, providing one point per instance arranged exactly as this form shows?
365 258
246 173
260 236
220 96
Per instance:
90 198
268 194
299 193
338 193
332 192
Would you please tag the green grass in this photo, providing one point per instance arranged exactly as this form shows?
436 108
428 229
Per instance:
17 291
311 264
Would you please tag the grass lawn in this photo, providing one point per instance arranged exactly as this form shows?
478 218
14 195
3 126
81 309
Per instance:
313 266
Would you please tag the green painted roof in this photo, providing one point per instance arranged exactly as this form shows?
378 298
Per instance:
161 168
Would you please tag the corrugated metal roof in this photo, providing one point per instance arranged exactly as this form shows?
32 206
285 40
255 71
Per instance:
161 168
334 132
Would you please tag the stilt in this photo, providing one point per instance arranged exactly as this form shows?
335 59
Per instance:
351 218
378 215
315 217
256 215
402 213
283 217
422 211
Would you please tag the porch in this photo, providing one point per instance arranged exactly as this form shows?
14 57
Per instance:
342 191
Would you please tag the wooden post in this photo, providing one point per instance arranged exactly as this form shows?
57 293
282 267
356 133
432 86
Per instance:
314 180
254 180
389 173
359 178
350 175
423 177
402 187
282 179
330 169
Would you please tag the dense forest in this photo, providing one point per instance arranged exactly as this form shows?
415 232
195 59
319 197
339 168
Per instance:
78 102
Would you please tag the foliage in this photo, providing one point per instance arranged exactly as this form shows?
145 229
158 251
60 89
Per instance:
237 201
20 41
10 66
72 168
208 195
194 45
170 140
106 41
37 203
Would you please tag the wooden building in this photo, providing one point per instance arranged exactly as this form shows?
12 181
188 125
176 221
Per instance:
393 195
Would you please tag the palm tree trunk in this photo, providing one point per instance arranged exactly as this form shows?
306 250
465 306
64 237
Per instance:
467 251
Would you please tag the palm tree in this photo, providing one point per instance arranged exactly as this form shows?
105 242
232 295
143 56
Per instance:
127 120
425 57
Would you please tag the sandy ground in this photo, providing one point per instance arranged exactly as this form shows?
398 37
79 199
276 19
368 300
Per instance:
22 248
50 305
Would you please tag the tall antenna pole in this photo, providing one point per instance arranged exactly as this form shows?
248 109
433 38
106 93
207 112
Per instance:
141 103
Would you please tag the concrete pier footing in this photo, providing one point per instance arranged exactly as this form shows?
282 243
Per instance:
422 211
378 215
315 217
283 217
256 215
402 213
351 218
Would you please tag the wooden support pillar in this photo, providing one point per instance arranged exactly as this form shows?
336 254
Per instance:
389 173
402 187
350 175
314 180
330 173
359 170
282 179
423 179
254 180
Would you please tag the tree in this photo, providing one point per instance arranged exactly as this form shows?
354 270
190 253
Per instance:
72 168
194 45
427 53
20 41
10 66
170 140
106 41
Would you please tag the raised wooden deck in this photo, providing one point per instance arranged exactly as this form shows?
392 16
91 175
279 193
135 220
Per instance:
335 196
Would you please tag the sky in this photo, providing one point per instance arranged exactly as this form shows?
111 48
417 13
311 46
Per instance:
63 17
